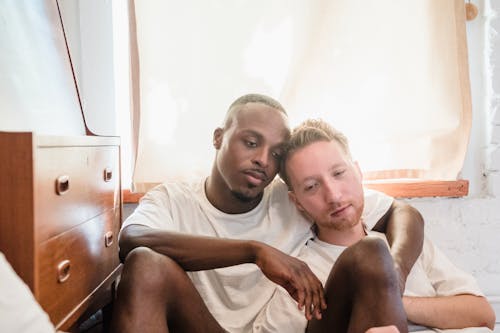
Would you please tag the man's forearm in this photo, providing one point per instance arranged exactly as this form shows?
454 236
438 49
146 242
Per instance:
192 253
404 229
459 311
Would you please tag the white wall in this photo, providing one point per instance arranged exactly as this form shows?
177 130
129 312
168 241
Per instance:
468 229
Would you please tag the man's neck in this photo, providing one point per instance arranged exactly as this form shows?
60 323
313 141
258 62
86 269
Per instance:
345 237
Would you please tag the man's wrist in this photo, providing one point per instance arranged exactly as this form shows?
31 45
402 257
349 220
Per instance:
255 248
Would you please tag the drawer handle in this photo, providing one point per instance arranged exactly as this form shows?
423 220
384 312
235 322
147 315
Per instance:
108 174
63 271
62 184
108 239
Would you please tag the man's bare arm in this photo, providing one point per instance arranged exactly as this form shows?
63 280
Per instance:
194 253
459 311
404 229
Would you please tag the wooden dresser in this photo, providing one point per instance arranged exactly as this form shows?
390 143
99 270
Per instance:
60 214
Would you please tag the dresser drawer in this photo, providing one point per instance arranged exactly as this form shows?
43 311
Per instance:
73 264
73 185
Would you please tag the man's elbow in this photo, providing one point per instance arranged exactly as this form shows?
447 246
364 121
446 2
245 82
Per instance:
411 212
401 213
491 322
487 315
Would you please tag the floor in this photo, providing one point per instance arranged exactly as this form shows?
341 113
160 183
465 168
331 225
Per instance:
93 325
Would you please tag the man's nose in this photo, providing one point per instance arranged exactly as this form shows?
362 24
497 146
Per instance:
332 191
261 157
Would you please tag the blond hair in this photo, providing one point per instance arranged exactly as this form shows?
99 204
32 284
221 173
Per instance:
310 131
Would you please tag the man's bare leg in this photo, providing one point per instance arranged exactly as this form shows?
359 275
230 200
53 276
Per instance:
156 295
362 291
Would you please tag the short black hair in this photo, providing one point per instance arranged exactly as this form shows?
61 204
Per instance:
251 98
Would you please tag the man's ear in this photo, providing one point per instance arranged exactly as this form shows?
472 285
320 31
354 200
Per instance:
218 133
293 198
300 208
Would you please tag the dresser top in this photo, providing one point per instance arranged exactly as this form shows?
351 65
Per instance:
43 140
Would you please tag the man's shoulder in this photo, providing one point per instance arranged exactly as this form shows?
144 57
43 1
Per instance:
375 197
176 188
277 189
172 194
278 185
165 204
277 195
377 204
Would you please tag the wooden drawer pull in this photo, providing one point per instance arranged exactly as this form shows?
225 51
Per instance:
62 184
63 271
108 239
108 174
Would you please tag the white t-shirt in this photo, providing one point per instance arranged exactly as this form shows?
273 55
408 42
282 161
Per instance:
432 275
19 311
235 295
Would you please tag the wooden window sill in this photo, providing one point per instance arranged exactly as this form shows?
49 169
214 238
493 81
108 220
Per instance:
420 189
395 188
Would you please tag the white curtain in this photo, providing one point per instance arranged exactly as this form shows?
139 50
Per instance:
391 74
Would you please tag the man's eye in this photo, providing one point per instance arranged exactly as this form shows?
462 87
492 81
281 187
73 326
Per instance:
310 187
251 144
338 173
276 155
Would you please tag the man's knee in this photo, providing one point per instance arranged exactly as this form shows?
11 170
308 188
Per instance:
370 260
150 271
371 248
367 250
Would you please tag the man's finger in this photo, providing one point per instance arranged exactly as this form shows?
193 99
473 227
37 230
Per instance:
297 293
310 290
316 293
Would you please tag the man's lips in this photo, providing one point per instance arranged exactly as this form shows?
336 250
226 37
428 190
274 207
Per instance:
339 211
256 176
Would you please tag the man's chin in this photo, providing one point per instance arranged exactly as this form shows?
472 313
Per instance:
248 196
342 224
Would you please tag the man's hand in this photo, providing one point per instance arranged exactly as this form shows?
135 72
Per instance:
295 276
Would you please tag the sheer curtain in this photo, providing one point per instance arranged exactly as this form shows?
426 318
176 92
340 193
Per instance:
392 75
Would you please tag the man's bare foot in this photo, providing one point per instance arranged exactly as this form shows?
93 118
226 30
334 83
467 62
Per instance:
383 329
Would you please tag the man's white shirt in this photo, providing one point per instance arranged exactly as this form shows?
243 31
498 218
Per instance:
236 295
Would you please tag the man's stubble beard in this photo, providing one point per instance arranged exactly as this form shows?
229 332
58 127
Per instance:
240 196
